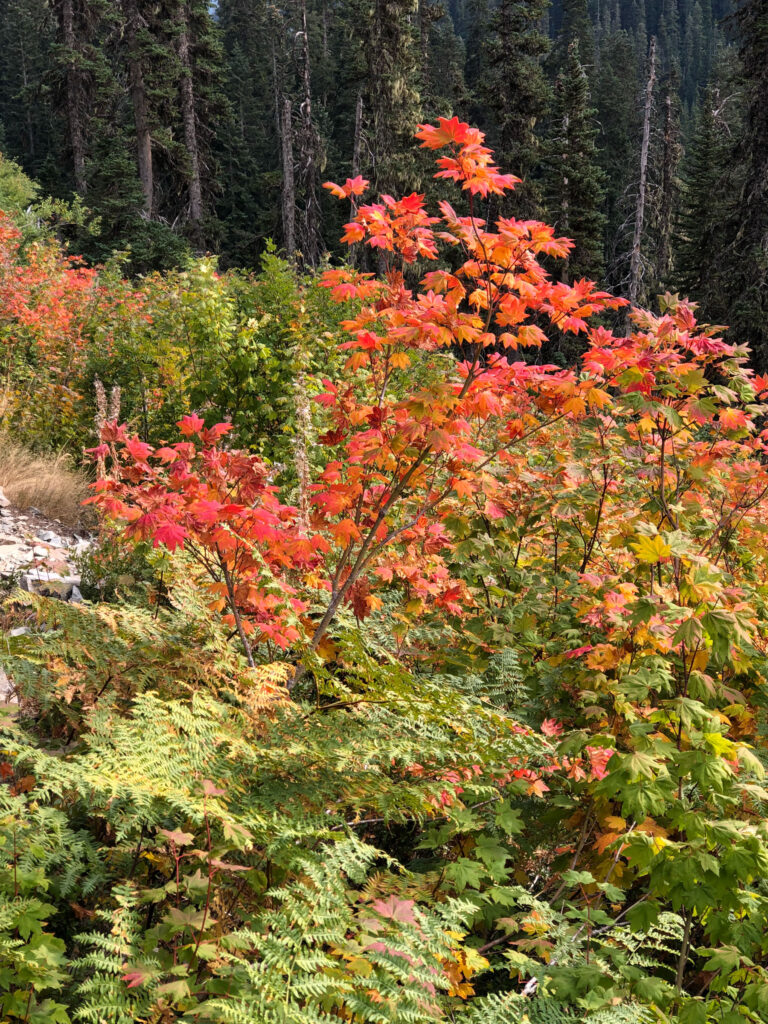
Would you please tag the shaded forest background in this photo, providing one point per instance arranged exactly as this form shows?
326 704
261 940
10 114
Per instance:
638 127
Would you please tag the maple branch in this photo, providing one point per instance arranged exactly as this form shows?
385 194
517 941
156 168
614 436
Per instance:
236 614
598 516
359 564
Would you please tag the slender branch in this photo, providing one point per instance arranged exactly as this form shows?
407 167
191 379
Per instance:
236 615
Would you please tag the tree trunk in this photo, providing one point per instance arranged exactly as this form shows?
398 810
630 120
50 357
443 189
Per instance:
289 189
74 93
189 121
355 251
140 103
669 167
635 262
424 21
308 148
357 139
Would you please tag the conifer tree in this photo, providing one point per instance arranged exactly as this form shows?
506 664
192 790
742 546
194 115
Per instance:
84 78
669 34
28 127
619 130
253 39
747 283
669 152
475 21
699 243
574 180
135 57
446 86
575 24
517 95
387 31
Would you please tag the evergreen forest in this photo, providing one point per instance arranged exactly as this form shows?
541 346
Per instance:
384 511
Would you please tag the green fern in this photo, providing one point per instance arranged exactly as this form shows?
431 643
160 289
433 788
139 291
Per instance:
319 953
103 996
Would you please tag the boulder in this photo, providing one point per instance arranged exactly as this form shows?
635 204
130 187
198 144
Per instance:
50 584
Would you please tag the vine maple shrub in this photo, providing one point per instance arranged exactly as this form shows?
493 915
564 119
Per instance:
399 459
46 299
607 522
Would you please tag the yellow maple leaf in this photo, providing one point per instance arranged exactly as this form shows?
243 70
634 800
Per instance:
400 360
651 549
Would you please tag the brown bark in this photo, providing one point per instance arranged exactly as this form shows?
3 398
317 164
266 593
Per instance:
289 189
189 121
140 101
636 258
74 95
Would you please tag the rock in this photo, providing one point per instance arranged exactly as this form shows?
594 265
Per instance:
49 537
76 597
58 565
35 577
16 555
19 631
7 689
40 554
50 584
4 503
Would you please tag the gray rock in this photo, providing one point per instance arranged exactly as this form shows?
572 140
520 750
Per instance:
17 555
7 690
32 579
4 503
76 597
49 537
50 584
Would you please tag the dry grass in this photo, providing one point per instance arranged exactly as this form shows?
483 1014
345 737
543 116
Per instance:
49 483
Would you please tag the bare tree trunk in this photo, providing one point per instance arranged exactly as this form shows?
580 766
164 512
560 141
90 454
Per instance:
357 138
669 167
140 103
289 188
635 262
357 142
189 120
74 91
